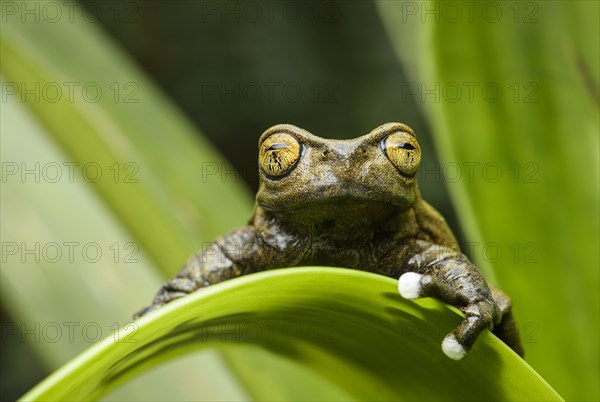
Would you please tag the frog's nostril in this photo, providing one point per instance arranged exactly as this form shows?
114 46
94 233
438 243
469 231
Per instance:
361 152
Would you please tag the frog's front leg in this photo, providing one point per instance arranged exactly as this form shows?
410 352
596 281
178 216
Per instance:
237 253
447 275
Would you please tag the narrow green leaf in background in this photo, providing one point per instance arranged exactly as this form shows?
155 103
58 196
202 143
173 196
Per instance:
514 97
159 195
149 154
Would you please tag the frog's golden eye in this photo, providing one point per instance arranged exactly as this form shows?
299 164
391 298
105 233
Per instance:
402 149
278 154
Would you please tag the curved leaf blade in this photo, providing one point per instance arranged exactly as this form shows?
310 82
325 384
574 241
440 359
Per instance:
350 327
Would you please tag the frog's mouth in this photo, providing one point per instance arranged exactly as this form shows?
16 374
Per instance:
342 212
356 204
291 198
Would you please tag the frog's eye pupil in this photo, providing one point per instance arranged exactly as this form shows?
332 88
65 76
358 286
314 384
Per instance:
403 151
276 146
279 154
406 145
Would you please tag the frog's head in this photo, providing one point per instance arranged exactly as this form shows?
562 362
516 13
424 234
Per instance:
309 176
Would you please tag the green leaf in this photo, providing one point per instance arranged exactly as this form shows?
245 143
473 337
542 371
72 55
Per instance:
530 208
157 199
349 326
109 118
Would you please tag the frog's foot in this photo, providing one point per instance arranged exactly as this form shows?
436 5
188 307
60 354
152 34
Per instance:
171 290
410 287
479 311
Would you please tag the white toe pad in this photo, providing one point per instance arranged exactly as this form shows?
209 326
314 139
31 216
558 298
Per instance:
409 285
452 348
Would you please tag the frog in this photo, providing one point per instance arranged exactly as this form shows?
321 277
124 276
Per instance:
352 203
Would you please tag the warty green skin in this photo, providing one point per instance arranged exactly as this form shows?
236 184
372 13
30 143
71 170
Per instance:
345 204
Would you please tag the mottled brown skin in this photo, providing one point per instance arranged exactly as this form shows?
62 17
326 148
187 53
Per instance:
346 203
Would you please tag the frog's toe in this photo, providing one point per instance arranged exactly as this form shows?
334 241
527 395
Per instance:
145 311
141 313
409 285
452 348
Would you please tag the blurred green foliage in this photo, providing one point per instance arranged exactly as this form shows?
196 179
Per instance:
333 71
